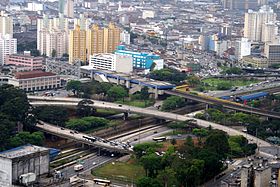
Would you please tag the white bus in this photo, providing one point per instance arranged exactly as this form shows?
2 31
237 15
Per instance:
102 182
159 139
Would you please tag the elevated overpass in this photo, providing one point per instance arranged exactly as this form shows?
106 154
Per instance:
72 102
78 137
224 103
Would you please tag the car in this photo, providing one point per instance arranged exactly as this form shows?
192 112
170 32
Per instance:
94 163
62 128
120 105
76 132
155 132
179 135
135 139
72 132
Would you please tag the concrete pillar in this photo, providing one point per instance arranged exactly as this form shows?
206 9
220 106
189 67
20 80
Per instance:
156 93
125 116
118 80
206 106
127 84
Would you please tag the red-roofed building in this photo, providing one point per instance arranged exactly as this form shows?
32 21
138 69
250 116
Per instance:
37 80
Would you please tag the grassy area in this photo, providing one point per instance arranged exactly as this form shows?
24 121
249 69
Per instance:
175 132
212 83
128 171
137 103
111 124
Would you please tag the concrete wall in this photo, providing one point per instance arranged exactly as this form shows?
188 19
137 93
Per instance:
37 163
5 172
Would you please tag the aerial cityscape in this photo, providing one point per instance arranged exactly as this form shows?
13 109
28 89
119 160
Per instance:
139 93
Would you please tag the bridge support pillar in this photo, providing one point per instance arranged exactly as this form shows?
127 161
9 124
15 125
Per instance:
127 84
125 116
206 106
156 93
118 80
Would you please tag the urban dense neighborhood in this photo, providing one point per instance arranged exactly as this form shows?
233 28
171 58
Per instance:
140 93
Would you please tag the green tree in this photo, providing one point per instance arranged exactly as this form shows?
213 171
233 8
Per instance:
117 92
167 177
74 86
52 114
144 93
7 128
54 53
173 141
151 164
173 102
217 141
224 86
200 133
193 81
84 109
35 138
147 182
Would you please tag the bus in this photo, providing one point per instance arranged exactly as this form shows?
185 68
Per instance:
159 139
184 87
102 182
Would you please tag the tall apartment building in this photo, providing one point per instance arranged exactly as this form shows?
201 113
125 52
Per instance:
111 38
8 46
6 24
83 22
125 37
61 6
69 8
52 34
77 45
270 31
95 40
103 40
255 21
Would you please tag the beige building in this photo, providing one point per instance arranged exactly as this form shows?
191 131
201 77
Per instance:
69 8
259 62
103 40
77 45
255 21
52 34
269 32
272 53
6 24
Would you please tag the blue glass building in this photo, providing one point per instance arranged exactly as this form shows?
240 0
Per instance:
140 60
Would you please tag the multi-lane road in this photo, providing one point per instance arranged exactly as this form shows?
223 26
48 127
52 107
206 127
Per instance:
38 101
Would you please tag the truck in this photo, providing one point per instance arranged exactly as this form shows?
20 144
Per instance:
78 167
27 178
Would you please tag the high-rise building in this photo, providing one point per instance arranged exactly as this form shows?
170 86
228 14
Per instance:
111 38
125 37
77 45
46 39
272 53
255 21
82 22
69 8
61 6
55 43
242 48
96 40
269 32
103 40
6 24
8 46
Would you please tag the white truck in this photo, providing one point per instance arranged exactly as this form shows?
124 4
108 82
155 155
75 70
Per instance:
78 167
27 178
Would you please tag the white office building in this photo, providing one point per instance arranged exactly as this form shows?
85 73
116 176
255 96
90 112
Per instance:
8 46
112 62
242 48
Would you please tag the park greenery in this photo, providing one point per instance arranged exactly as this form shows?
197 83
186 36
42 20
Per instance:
172 103
233 71
52 114
187 164
16 114
170 75
256 126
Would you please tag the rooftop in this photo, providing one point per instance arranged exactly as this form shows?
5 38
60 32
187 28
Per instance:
22 151
33 74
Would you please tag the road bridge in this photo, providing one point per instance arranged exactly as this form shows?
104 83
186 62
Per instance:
78 137
225 104
72 102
